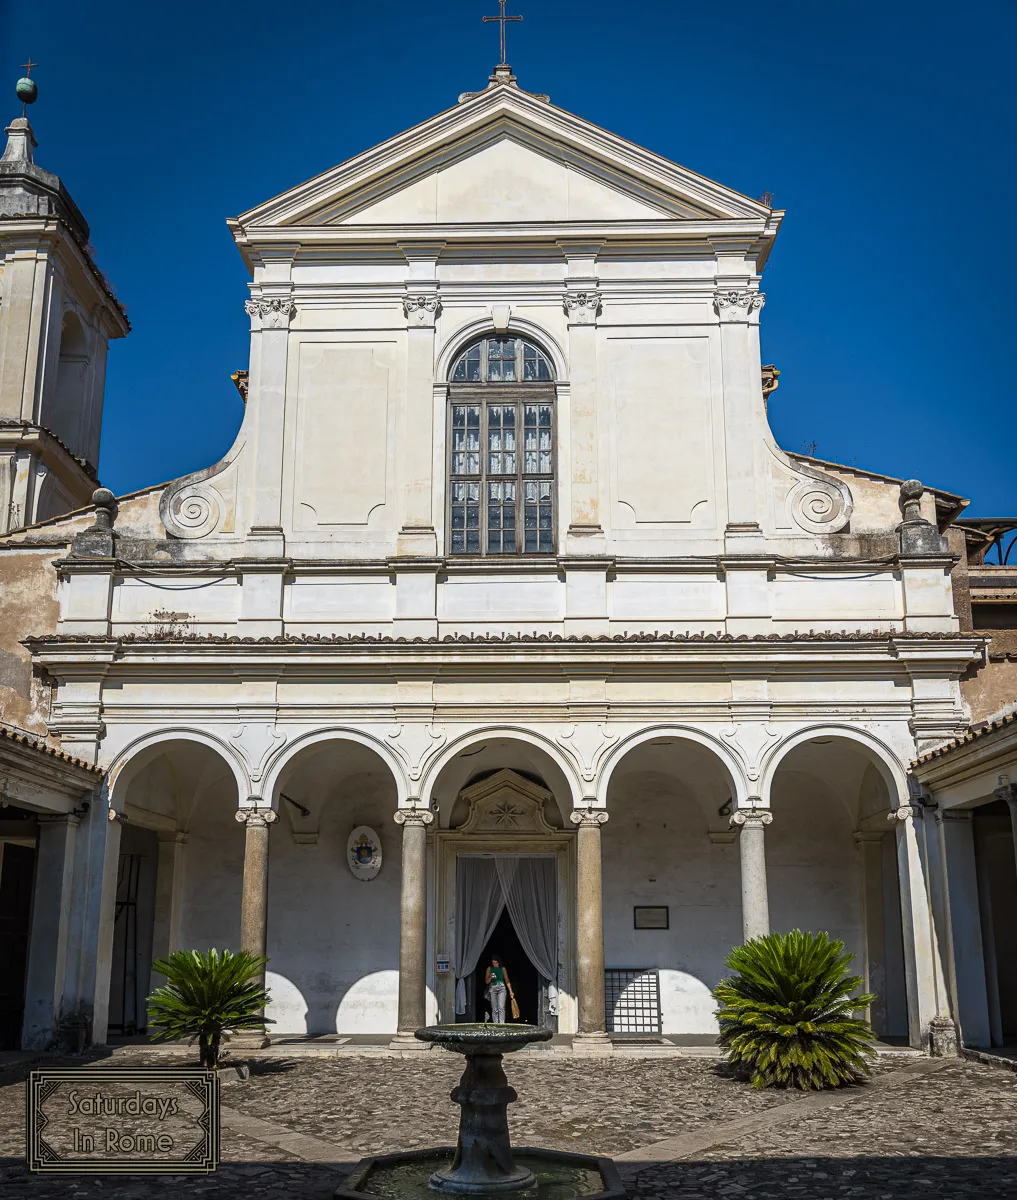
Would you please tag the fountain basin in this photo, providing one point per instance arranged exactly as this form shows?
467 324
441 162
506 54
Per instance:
483 1163
557 1175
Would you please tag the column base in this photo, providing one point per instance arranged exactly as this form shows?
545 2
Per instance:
594 1044
942 1037
405 1041
250 1039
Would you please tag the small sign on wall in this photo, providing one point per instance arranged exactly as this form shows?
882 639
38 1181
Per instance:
645 916
443 964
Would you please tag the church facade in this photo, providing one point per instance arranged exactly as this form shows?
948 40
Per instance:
504 627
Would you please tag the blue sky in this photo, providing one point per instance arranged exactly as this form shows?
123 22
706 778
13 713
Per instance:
886 131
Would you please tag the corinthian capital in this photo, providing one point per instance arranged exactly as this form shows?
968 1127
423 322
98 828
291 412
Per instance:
413 816
752 818
587 817
737 304
258 817
582 307
422 310
271 312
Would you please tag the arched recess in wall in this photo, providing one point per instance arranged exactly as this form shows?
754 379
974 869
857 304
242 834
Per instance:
333 932
69 417
671 880
832 856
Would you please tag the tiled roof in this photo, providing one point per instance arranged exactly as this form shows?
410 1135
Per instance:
10 734
974 734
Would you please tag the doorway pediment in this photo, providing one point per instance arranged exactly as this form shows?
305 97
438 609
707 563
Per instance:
506 804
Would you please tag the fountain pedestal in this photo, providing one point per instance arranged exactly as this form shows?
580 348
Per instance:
483 1161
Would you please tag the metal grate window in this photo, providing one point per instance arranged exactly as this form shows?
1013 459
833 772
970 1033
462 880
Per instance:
632 1000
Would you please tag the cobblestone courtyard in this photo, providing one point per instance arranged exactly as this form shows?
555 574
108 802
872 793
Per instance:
677 1126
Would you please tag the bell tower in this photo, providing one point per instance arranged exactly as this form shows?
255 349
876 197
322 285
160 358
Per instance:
57 317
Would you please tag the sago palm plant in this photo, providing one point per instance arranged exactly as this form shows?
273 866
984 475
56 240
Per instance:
786 1016
207 996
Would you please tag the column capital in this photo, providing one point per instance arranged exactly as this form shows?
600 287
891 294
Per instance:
903 811
256 816
1006 791
738 304
271 312
413 816
752 818
589 817
582 306
422 309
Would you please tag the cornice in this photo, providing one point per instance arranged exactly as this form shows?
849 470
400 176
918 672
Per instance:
892 639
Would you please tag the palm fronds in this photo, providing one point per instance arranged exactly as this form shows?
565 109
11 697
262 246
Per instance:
208 996
786 1016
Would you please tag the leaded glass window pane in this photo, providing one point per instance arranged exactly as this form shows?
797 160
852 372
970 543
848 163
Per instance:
501 450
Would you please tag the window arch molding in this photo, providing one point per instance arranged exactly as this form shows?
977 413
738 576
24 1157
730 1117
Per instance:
502 471
463 337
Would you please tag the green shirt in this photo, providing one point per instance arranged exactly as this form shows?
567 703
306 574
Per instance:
497 974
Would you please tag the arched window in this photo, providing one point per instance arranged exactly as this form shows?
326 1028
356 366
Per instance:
501 440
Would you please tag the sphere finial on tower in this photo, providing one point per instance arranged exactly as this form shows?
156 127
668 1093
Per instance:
26 88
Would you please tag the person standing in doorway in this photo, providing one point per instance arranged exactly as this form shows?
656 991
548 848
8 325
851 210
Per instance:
498 985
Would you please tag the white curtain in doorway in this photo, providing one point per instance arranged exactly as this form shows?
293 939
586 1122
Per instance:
530 888
480 901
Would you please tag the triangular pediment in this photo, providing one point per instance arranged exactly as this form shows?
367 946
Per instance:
506 804
503 156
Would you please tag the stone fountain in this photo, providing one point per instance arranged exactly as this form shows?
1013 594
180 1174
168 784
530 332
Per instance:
483 1162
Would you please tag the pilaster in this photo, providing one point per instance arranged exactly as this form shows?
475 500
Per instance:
271 311
422 309
737 302
583 302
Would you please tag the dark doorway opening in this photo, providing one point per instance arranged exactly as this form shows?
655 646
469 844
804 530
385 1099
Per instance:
17 873
504 944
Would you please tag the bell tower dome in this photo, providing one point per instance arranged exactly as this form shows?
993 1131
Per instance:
57 317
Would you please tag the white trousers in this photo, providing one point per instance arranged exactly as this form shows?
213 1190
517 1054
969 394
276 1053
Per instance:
498 993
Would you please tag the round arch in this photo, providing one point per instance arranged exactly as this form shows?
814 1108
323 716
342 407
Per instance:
510 733
137 755
334 733
739 786
484 326
880 755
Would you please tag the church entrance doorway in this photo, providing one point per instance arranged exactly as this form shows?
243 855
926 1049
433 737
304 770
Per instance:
504 945
505 868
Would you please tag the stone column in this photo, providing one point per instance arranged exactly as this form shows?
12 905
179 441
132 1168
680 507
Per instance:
752 853
254 900
965 960
47 948
413 928
592 1036
923 968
